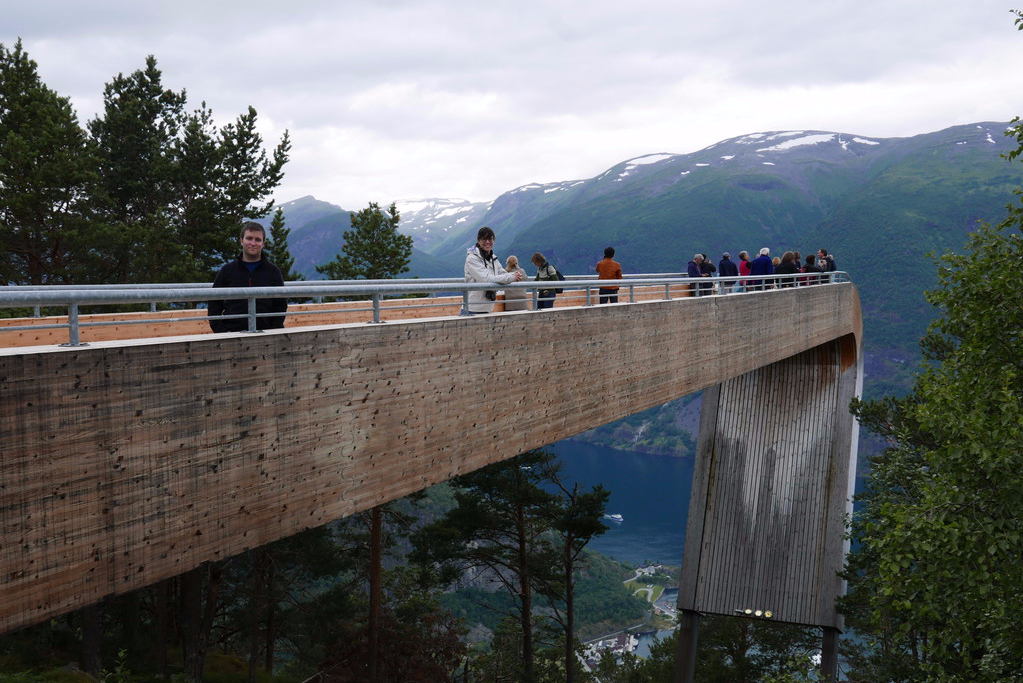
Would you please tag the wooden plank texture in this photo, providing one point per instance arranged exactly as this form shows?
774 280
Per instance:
771 487
124 463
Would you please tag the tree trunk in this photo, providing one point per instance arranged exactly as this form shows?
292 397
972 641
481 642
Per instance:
189 619
526 603
270 636
257 585
197 622
161 605
92 658
374 593
569 618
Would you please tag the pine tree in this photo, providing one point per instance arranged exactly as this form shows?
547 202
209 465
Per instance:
276 248
500 527
373 249
132 138
576 518
174 188
45 178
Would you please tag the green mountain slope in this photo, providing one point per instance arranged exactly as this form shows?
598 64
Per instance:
880 205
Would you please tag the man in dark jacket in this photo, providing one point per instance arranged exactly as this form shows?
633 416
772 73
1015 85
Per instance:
707 269
693 270
728 268
250 269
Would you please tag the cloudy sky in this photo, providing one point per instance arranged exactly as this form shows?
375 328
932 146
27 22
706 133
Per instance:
400 99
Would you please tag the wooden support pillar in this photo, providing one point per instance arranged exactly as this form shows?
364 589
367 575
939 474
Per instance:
829 655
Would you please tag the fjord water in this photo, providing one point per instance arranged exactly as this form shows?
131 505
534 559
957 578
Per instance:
650 492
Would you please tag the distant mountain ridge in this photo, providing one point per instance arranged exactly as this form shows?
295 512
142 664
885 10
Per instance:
879 204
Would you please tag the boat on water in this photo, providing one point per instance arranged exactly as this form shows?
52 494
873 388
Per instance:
614 517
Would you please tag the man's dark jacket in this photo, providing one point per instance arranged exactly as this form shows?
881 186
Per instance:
236 274
727 268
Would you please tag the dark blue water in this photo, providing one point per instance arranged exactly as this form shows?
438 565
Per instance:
650 492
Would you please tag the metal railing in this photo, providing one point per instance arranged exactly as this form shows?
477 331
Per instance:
379 296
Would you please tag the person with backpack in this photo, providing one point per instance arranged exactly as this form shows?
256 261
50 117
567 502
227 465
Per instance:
545 272
826 262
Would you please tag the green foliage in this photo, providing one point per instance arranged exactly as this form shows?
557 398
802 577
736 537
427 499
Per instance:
276 247
602 602
499 530
148 193
120 672
938 562
373 249
46 175
740 649
520 531
413 647
729 649
656 430
175 189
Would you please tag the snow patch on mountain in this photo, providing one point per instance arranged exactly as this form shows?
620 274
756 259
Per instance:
799 142
760 138
430 219
645 160
548 187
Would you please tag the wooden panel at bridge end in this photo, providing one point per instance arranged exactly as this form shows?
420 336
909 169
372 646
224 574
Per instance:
773 481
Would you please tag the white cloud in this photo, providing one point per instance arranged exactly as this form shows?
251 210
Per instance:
422 98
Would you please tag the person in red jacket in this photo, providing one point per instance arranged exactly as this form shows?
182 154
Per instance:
743 269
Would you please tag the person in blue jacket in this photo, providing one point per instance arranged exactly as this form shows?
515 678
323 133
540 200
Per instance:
761 265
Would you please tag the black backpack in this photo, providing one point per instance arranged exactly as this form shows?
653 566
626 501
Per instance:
557 272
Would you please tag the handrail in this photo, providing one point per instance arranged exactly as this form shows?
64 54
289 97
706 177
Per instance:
582 288
295 283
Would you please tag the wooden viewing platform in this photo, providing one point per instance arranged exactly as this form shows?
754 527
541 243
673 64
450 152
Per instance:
127 462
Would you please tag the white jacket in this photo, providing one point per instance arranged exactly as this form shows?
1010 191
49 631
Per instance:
477 269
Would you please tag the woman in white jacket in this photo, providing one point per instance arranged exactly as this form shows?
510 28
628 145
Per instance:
482 265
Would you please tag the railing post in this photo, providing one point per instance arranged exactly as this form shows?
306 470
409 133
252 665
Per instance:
252 315
587 302
465 302
632 294
72 325
376 308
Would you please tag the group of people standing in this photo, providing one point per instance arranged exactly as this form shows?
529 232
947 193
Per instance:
808 272
252 269
482 265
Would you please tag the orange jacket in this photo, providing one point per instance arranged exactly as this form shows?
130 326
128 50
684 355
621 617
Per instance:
608 269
